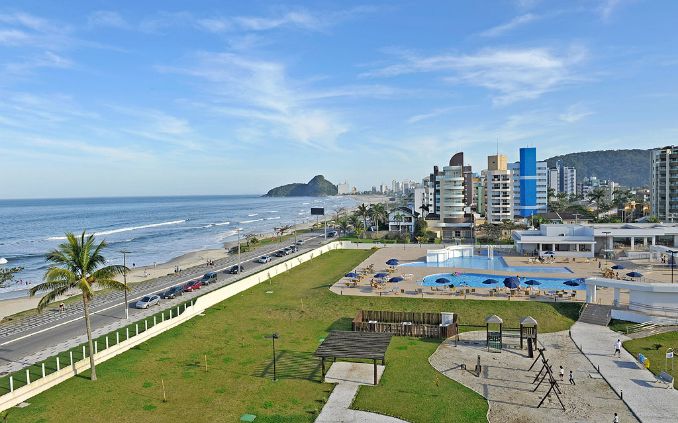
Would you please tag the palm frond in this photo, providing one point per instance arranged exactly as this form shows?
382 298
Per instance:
50 296
57 274
109 271
112 284
49 286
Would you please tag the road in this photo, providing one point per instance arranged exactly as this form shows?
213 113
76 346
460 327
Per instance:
33 339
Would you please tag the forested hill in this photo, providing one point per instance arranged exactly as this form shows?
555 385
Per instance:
630 168
316 187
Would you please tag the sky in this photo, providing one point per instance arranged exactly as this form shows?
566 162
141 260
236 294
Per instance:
116 98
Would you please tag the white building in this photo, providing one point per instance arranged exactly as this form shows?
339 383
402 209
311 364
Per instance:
664 194
498 190
402 220
557 240
343 189
562 179
542 185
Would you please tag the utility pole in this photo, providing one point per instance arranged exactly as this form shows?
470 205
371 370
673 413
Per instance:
239 262
124 278
673 263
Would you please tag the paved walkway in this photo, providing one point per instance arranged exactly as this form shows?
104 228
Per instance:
349 377
648 399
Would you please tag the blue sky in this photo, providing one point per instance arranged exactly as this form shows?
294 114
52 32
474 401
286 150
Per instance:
211 97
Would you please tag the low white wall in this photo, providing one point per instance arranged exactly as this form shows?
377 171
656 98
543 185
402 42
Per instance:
637 317
201 303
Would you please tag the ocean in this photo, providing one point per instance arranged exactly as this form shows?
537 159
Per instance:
153 229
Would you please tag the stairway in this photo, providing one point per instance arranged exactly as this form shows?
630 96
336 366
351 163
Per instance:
596 314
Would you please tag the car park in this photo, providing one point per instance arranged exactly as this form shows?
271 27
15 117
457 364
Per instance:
209 278
192 286
264 259
233 270
173 292
148 301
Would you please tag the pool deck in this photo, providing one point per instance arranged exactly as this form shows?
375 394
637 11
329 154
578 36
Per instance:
410 286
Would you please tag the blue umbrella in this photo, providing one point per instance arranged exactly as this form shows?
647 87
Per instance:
396 279
381 275
443 281
532 282
634 275
512 282
550 253
571 283
617 267
351 275
392 262
490 281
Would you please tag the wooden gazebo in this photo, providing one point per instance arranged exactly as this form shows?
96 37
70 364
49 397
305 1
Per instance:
361 345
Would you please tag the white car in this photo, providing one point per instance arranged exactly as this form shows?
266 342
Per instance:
264 259
148 301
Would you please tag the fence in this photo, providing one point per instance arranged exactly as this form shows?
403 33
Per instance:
27 383
404 323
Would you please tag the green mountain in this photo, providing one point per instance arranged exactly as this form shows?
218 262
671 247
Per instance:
316 187
631 168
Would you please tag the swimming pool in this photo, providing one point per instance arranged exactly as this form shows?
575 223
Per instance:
483 263
475 280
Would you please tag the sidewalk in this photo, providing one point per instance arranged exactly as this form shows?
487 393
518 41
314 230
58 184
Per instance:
649 400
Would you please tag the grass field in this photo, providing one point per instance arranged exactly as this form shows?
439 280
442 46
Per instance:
218 367
654 347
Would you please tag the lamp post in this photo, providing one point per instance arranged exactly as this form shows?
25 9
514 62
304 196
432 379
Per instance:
672 263
124 278
239 262
607 236
273 337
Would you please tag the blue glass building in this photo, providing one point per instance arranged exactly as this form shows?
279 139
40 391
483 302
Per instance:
528 182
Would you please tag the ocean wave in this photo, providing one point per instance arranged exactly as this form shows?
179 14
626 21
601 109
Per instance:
227 234
252 214
131 228
216 224
272 211
252 221
273 218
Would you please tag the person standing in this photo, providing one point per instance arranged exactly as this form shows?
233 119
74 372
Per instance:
62 307
616 418
617 348
562 374
572 378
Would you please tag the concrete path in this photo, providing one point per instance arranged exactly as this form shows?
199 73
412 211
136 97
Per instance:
349 377
648 399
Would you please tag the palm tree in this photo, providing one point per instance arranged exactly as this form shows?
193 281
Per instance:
363 212
354 221
597 195
377 214
398 219
343 225
76 264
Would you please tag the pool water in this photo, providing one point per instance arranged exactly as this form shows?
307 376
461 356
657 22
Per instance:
475 280
483 263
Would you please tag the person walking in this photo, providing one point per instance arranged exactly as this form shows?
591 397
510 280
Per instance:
562 373
572 378
615 419
62 307
617 348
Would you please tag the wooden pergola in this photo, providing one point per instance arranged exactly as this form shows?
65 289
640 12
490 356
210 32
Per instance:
361 345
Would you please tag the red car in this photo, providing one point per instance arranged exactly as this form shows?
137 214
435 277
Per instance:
192 286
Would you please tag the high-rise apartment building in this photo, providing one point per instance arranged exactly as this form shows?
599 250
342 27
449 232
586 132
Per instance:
562 179
498 190
530 185
664 194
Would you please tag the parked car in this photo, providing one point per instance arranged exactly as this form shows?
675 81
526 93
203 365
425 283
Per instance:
288 251
279 253
233 270
294 248
332 234
264 259
300 242
148 301
208 278
192 286
173 292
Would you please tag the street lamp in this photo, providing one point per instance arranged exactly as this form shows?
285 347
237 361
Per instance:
273 337
239 262
672 263
124 277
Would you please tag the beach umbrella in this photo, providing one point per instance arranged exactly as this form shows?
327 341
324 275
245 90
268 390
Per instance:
634 275
351 275
490 281
617 267
550 253
532 282
396 279
512 282
443 281
571 283
380 275
392 262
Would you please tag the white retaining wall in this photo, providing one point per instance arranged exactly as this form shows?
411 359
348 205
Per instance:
201 303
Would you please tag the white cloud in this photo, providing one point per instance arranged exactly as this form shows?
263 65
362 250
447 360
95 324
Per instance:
513 74
22 29
575 113
106 18
425 116
607 8
514 23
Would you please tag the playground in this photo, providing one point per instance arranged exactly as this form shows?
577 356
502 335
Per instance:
520 388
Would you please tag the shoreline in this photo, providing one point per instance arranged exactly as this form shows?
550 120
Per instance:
140 274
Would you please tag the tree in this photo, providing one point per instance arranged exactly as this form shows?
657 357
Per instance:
363 212
596 196
378 214
354 221
251 239
77 264
7 274
280 231
420 227
343 225
398 218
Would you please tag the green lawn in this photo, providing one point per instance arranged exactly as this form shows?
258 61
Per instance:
620 325
237 380
654 347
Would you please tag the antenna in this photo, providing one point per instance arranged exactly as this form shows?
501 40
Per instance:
497 146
